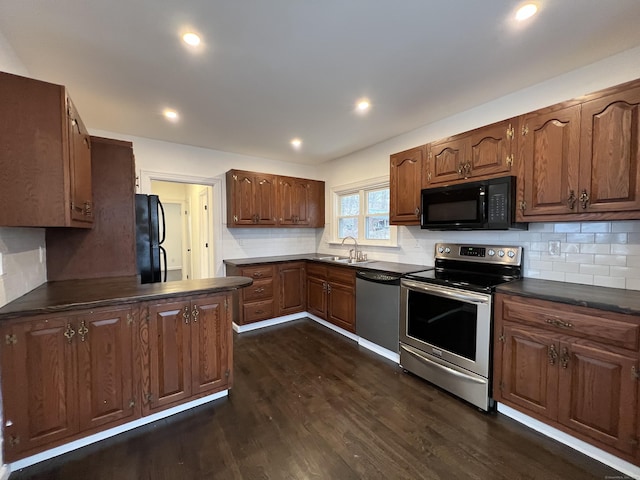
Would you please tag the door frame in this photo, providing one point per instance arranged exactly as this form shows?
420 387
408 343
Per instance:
216 207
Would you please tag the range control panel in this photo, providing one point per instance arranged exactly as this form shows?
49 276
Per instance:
499 254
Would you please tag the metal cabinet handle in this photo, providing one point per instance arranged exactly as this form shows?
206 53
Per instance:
564 358
584 199
82 331
552 354
257 274
194 313
69 332
571 201
259 290
417 211
185 315
556 322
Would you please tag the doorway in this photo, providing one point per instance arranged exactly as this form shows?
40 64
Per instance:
189 228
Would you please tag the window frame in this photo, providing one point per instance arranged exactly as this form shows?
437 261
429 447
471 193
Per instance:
361 188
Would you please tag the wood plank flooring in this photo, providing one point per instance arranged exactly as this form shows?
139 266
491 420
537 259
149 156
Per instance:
310 404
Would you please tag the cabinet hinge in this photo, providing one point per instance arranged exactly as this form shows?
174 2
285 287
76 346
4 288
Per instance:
429 177
10 339
525 130
509 160
633 441
235 218
510 132
634 373
502 339
14 440
235 177
226 304
227 373
148 397
430 155
501 385
129 319
132 403
523 206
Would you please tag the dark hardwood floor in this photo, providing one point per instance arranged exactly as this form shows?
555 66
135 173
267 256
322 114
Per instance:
308 403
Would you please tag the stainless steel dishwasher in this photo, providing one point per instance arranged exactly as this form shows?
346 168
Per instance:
378 308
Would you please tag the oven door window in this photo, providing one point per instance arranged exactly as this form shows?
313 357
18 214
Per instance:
444 323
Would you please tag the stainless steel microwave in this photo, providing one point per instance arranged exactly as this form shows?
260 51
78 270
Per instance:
482 205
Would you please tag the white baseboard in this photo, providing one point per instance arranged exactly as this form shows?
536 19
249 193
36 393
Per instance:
341 331
268 323
600 455
383 352
96 437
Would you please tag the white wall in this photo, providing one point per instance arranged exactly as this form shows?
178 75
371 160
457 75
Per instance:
599 253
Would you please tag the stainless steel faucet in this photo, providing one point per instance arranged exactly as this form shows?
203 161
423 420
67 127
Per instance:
356 253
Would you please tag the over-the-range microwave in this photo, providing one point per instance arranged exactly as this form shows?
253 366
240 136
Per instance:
482 205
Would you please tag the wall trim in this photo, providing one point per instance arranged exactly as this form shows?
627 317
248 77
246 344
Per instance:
583 447
96 437
5 471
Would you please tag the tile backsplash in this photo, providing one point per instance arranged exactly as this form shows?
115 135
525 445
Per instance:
22 253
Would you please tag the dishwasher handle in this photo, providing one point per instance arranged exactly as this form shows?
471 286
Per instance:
379 277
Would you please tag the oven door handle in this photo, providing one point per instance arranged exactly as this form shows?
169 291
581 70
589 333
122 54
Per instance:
464 296
449 370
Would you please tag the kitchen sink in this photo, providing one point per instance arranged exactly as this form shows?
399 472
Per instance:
344 260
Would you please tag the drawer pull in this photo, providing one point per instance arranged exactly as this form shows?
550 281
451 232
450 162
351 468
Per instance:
259 290
185 315
259 312
552 354
257 274
556 322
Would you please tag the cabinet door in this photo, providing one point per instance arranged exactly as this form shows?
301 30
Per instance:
317 296
292 288
294 199
598 394
490 149
610 153
447 161
341 306
265 199
105 376
39 384
82 208
530 370
550 152
316 204
405 184
210 344
169 358
240 196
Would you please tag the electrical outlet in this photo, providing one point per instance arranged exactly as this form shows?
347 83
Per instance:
554 248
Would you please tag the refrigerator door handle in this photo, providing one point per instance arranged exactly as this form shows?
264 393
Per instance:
164 230
164 258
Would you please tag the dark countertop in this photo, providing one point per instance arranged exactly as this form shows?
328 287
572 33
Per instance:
373 265
80 294
604 298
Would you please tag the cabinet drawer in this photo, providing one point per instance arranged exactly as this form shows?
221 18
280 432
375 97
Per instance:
256 311
261 271
346 275
606 327
316 270
261 289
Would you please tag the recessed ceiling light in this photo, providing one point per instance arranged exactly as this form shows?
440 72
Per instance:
363 105
296 143
170 114
526 11
191 38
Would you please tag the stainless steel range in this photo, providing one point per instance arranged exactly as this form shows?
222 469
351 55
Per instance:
446 317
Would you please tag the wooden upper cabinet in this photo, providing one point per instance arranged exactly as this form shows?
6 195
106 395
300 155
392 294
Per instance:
550 153
610 153
264 200
480 153
300 202
45 157
404 185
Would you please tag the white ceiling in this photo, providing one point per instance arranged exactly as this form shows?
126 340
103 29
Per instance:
271 70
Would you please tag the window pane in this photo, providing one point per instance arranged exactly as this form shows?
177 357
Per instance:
378 227
350 204
378 201
348 226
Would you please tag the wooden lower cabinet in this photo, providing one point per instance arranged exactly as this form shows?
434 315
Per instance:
63 375
72 374
574 368
292 294
187 352
331 294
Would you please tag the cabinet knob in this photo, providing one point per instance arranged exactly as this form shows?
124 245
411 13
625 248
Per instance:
82 331
185 315
571 201
552 354
584 199
194 313
417 211
69 332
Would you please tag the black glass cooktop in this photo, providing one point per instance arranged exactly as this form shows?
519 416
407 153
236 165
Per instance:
477 281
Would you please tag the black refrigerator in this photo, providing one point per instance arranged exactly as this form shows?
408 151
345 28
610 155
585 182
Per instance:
150 233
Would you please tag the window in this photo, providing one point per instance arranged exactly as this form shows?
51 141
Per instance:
362 212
